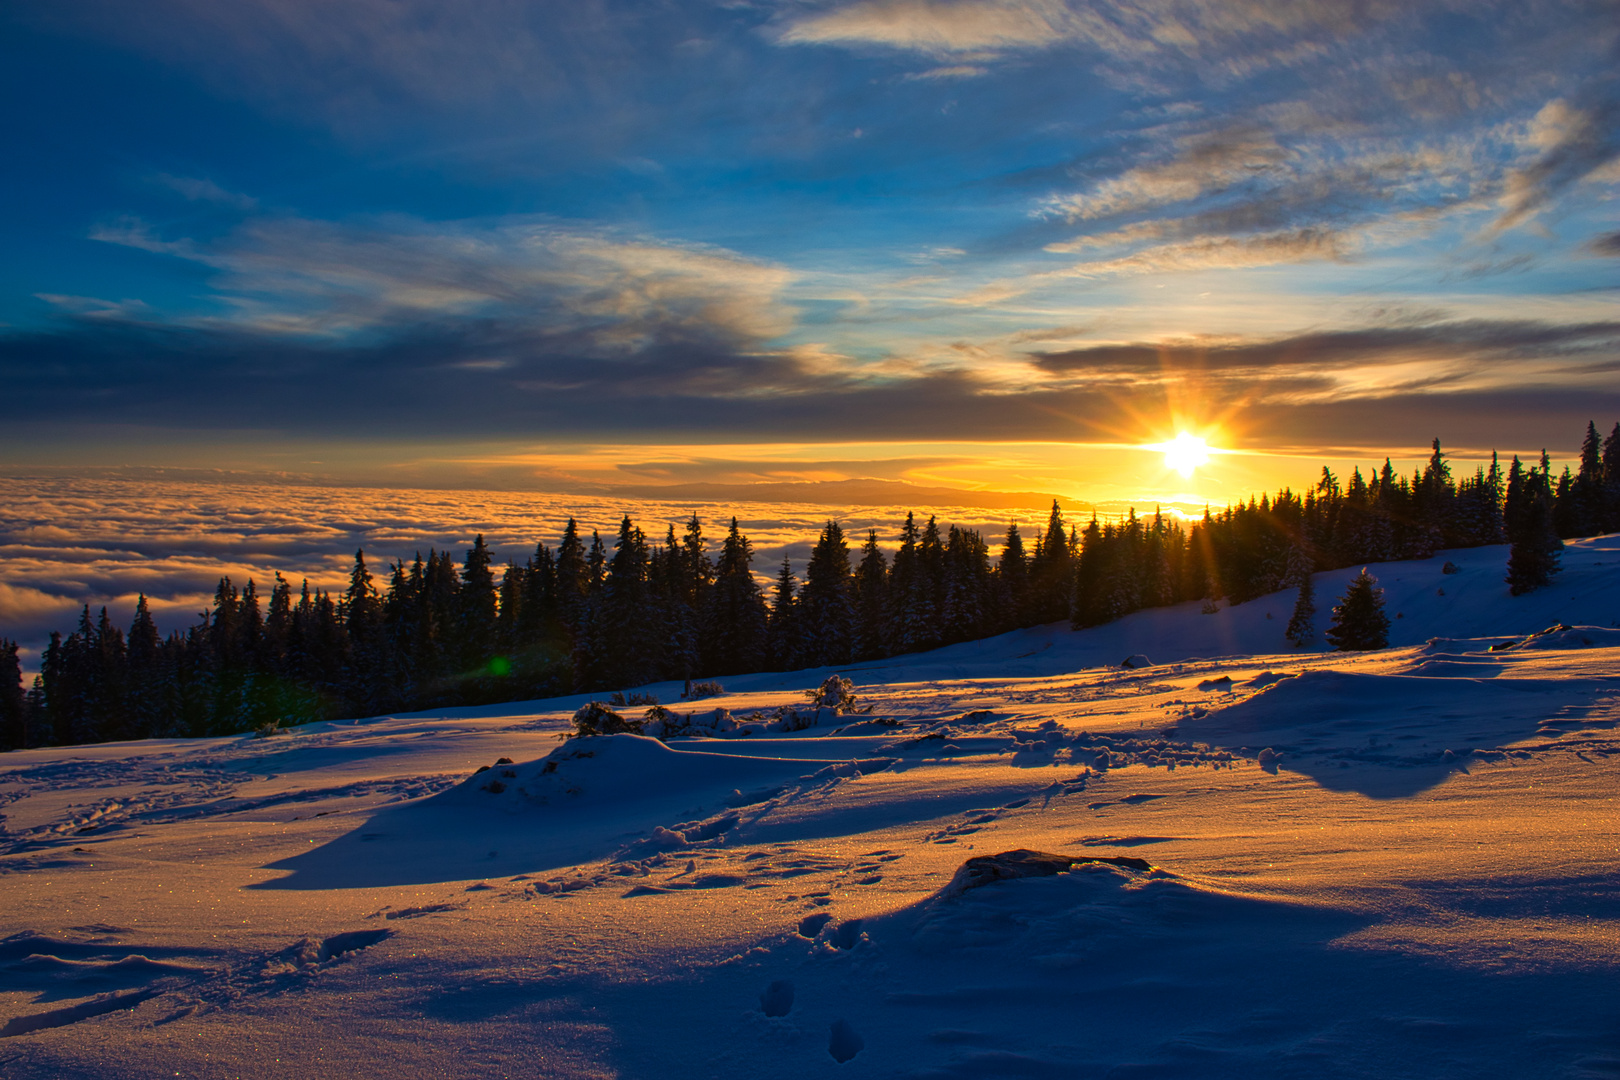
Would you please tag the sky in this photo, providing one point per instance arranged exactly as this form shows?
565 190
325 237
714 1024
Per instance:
990 244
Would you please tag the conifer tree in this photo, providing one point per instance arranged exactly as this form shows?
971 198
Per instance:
909 615
145 649
1585 492
784 629
968 599
1359 622
826 606
734 636
1302 624
1534 555
1611 481
573 575
697 571
1049 571
631 646
476 607
1012 571
871 600
13 729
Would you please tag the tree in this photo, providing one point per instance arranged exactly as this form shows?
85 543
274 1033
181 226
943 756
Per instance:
826 608
1533 558
1302 624
1611 481
1012 570
1359 622
1585 494
13 729
871 600
784 625
734 635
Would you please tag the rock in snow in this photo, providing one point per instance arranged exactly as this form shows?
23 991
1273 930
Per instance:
1022 863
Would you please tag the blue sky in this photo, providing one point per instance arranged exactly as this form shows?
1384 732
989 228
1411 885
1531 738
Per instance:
296 236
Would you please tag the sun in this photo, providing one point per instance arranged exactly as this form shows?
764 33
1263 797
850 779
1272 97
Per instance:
1185 453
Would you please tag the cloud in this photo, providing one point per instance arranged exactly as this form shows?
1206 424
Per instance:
1571 143
951 71
1606 244
1227 252
1203 163
199 189
297 275
1128 29
936 28
112 538
1470 342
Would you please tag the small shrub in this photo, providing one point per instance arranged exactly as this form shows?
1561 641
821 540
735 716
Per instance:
622 700
1450 568
837 693
697 690
268 728
595 718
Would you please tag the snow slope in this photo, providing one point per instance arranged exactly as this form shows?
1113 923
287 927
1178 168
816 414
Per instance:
1401 863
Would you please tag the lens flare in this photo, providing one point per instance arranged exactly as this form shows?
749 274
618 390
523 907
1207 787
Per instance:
1185 453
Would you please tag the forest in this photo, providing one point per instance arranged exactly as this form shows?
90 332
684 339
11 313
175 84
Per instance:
593 614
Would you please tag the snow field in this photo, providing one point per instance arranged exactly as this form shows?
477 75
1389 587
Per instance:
1393 864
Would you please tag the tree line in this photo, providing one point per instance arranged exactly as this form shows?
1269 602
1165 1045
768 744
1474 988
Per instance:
591 614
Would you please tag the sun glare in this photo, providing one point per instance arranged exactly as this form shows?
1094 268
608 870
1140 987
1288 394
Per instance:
1185 453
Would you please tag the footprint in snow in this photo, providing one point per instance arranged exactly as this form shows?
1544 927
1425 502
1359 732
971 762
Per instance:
812 925
844 1042
846 935
777 1000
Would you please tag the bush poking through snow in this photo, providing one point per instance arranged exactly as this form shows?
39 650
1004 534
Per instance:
699 690
268 728
595 718
620 699
837 693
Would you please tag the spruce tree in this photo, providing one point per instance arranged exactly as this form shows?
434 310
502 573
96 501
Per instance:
1611 481
13 728
477 604
1359 622
734 628
826 607
145 649
1012 572
1589 484
784 625
1533 558
1302 624
871 600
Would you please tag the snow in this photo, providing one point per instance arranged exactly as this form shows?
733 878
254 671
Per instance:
1245 860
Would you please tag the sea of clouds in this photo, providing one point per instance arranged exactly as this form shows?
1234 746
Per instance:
67 542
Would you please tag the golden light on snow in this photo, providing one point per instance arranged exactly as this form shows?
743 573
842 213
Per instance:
1184 453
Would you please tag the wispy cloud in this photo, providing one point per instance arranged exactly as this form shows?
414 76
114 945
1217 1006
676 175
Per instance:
1570 143
1606 244
298 275
934 27
201 189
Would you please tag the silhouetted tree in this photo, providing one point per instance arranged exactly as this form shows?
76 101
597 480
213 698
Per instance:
1359 622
